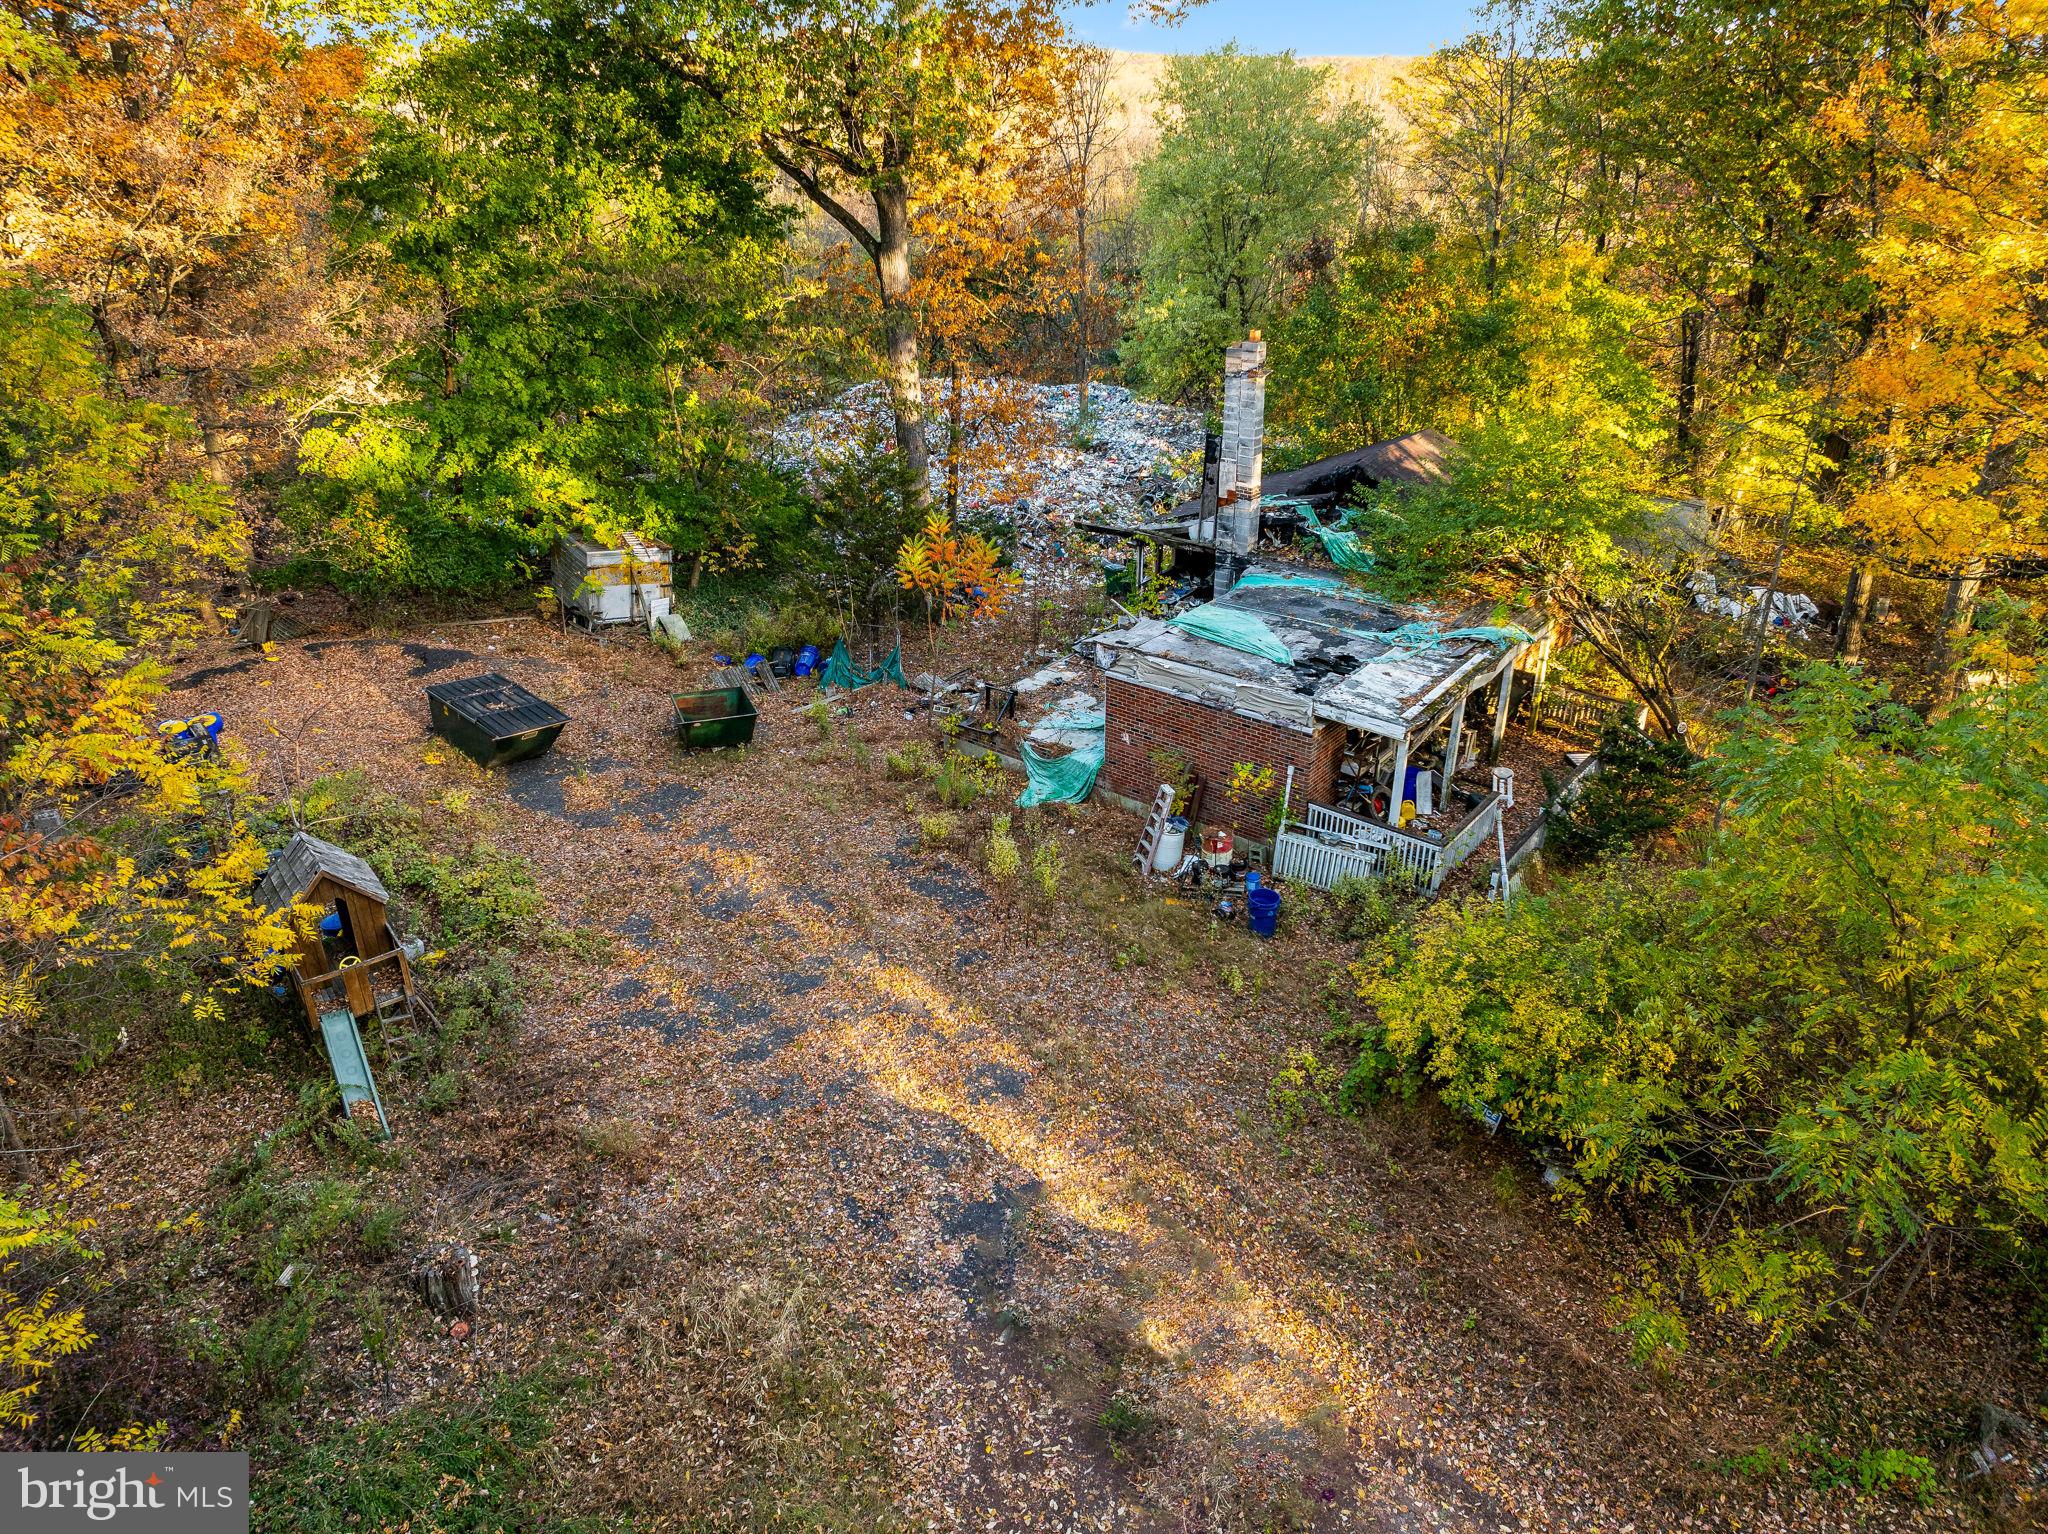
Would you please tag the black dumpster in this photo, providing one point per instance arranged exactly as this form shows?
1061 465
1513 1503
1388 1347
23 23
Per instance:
494 720
724 716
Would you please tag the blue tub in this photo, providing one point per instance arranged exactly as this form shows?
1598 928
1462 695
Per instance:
1262 910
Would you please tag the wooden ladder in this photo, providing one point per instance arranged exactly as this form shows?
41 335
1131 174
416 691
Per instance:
1155 828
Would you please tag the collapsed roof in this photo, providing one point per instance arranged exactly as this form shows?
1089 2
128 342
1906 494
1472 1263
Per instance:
1329 483
1383 667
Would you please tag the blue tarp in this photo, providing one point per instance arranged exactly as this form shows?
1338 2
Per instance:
1428 636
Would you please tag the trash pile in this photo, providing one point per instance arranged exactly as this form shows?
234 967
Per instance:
1023 459
1790 610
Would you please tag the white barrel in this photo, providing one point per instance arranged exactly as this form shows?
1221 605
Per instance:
1173 845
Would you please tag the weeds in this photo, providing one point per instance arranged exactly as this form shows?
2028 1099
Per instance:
1304 1084
624 1142
935 830
960 780
1124 1422
1005 861
1871 1471
911 763
460 1468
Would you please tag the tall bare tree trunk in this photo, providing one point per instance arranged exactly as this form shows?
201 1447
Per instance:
1958 612
899 329
1691 333
1855 612
956 430
1081 310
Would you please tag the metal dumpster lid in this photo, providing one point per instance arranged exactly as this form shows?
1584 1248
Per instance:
497 704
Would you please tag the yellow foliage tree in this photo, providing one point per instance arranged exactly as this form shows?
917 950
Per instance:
1950 394
122 850
36 1330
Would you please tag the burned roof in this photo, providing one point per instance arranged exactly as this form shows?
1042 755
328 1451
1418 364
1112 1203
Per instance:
1357 659
1416 459
298 866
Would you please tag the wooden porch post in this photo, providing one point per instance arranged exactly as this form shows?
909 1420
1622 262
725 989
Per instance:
1400 777
1500 706
1457 739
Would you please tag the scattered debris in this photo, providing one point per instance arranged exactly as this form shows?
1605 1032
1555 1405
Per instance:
1025 459
1791 611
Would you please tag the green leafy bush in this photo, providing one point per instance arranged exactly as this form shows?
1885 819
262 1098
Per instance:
1005 861
1840 1020
1641 788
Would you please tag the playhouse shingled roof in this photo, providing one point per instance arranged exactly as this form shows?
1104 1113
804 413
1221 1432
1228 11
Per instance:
299 864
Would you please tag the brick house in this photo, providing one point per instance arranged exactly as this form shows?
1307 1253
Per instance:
1368 686
1378 720
1386 714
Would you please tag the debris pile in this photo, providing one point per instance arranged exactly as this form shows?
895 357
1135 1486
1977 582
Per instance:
1790 610
1023 456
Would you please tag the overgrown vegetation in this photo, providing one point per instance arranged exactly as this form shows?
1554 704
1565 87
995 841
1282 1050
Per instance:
1835 1107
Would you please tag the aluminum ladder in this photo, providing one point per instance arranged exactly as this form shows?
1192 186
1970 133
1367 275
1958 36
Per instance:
1155 828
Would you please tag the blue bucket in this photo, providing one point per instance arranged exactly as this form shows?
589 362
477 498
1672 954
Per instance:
807 660
1251 881
1262 908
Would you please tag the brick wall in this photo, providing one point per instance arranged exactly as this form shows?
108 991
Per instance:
1143 720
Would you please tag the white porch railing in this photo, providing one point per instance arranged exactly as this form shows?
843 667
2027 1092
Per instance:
1328 845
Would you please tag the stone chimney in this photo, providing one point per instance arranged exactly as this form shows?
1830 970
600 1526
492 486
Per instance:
1243 457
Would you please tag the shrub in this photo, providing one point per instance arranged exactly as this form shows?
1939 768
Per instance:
1046 868
1844 1011
1656 1333
911 763
1367 910
1642 788
934 830
961 780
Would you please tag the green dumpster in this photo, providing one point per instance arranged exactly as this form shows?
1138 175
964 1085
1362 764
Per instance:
723 716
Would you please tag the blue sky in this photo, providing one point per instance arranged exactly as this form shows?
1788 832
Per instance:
1268 26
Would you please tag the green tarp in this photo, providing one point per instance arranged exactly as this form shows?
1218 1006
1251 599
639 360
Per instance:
1427 636
1345 550
1067 779
841 672
1239 630
1252 580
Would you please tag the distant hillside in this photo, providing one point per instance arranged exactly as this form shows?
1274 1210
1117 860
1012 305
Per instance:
1371 80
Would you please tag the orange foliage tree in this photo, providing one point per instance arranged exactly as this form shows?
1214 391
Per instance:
126 868
166 167
958 575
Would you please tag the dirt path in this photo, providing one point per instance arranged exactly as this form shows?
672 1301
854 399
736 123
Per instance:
1103 1291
